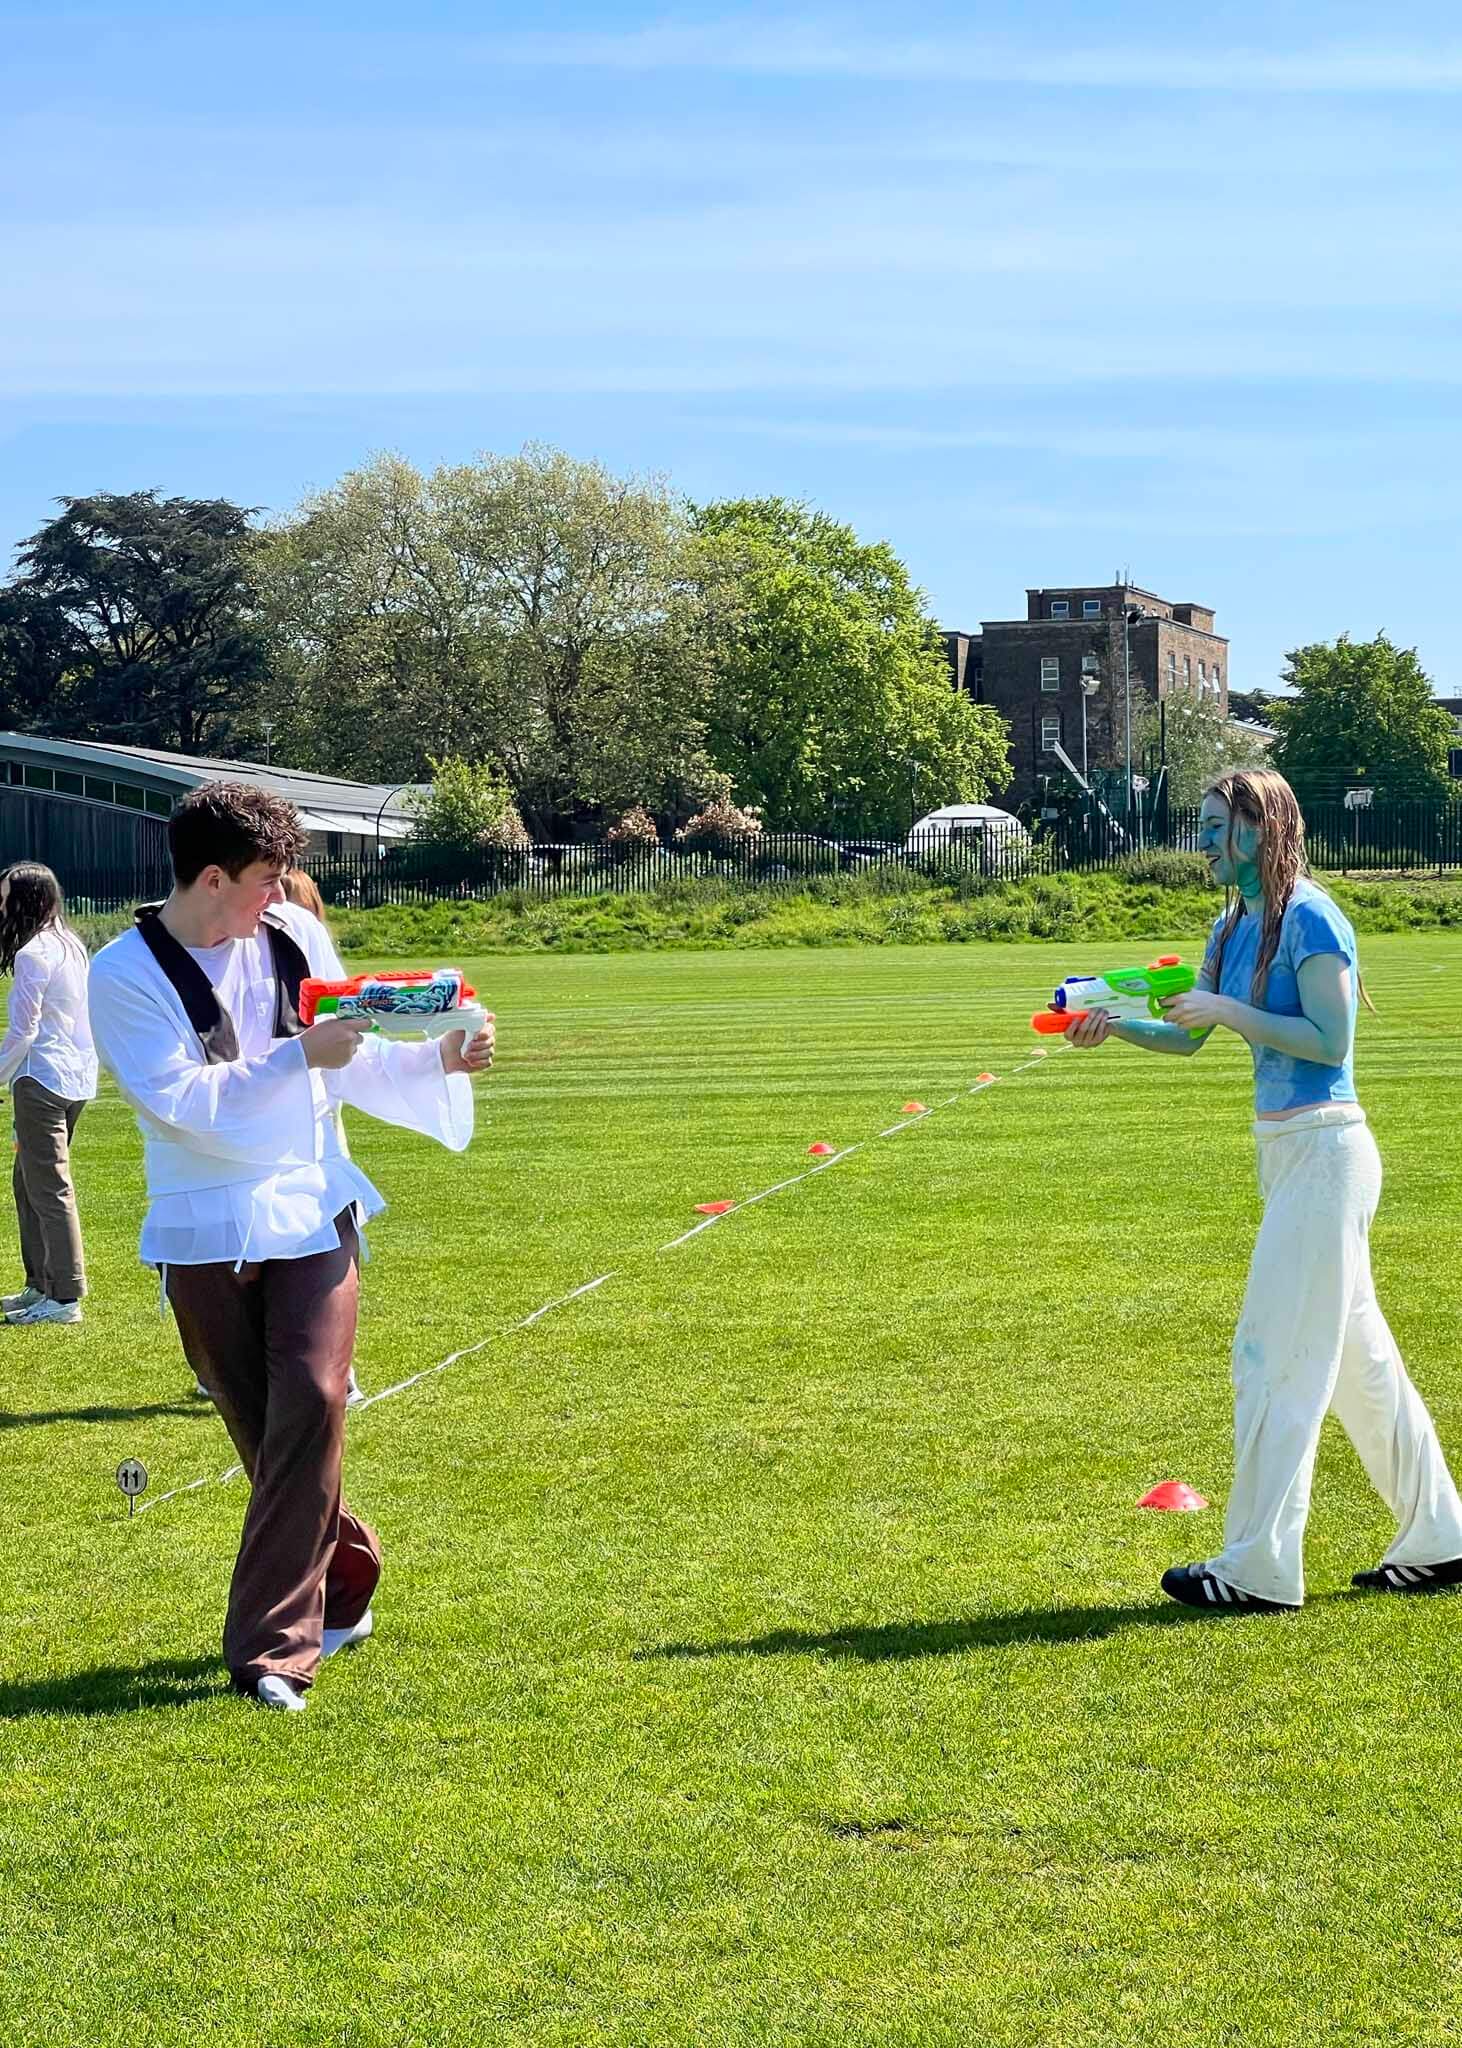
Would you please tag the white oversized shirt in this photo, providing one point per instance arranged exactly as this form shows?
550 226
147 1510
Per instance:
49 1034
246 1159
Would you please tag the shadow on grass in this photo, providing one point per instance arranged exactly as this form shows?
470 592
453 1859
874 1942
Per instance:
891 1640
116 1689
45 1415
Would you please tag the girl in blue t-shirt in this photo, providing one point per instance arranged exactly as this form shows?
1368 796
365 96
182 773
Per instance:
1281 970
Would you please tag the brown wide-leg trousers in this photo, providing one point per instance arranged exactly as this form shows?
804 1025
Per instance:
45 1200
272 1342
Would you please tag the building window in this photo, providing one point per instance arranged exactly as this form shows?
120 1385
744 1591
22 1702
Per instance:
1060 608
1090 665
1050 731
40 778
100 791
158 804
1187 672
1202 677
129 798
1091 607
17 772
69 784
1050 672
1217 679
1172 668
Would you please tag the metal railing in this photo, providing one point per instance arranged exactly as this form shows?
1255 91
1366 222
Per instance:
1387 839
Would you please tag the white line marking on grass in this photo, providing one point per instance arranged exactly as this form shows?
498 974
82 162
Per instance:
385 1394
764 1194
589 1286
469 1350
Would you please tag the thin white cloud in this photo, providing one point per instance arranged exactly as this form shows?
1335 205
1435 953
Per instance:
826 48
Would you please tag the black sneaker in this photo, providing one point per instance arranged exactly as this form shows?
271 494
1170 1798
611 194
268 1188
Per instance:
1198 1585
1410 1578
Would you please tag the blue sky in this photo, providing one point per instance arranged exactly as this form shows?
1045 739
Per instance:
1031 291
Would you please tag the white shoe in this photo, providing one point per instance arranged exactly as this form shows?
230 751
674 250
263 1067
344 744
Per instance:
344 1638
201 1391
46 1311
281 1694
354 1393
27 1298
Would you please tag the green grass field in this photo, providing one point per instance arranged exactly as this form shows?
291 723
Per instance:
770 1649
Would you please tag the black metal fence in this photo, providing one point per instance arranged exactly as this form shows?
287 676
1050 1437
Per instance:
1391 839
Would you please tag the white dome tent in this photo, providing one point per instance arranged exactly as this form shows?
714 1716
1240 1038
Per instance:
982 824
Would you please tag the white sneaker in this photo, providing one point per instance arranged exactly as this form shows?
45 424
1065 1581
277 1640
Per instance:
354 1393
345 1638
201 1391
27 1298
281 1694
46 1311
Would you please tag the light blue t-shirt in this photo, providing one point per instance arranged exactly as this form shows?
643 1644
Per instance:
1313 924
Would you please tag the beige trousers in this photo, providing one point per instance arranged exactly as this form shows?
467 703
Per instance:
45 1200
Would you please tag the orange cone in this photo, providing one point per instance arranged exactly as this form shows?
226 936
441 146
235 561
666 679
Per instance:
713 1208
822 1149
987 1077
1174 1496
914 1109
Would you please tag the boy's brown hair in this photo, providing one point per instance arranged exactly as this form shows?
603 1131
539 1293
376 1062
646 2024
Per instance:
230 825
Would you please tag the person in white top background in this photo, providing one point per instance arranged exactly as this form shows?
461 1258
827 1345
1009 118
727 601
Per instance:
48 1062
255 1207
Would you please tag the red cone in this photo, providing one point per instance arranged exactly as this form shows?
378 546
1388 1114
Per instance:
1174 1496
987 1077
822 1149
914 1109
713 1208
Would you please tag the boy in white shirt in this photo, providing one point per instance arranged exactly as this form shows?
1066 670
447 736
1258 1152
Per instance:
255 1205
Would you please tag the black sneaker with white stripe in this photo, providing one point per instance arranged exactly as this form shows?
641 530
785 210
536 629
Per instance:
1198 1585
1411 1578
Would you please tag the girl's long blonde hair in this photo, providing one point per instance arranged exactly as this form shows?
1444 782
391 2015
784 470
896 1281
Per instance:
1262 797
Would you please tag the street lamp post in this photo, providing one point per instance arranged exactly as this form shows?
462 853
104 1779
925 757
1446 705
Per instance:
389 797
266 726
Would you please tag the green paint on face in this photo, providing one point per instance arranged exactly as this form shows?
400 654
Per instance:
1246 859
1231 847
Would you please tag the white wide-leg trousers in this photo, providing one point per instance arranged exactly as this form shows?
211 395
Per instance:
1311 1338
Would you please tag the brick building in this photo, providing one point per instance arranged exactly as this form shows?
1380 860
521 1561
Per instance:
1074 649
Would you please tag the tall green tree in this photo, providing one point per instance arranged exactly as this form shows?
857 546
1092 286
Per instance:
529 611
1362 712
1196 740
131 619
833 706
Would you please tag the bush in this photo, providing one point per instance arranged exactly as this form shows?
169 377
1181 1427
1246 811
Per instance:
635 832
720 824
468 807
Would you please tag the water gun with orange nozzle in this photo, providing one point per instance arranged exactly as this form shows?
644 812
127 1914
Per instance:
1129 993
409 1004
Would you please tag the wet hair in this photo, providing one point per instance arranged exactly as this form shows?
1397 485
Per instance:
1262 797
301 888
34 904
230 825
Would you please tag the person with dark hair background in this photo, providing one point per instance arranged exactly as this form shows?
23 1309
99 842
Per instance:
49 1063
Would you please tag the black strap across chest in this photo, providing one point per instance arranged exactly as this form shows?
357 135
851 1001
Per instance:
196 992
